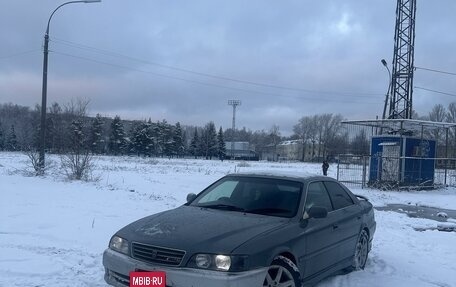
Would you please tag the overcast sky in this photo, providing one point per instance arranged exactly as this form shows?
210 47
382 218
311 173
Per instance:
183 60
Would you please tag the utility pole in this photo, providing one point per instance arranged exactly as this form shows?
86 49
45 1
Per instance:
233 103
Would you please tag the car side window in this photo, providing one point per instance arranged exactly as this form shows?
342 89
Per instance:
317 196
339 196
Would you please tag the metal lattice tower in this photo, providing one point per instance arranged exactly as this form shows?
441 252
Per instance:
400 102
233 103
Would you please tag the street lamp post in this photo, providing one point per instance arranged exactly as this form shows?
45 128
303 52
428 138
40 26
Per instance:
389 88
44 88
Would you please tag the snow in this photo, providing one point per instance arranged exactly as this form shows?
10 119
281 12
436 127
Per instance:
53 231
442 214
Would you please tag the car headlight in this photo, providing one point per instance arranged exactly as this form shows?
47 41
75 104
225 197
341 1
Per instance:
203 260
219 262
119 244
223 262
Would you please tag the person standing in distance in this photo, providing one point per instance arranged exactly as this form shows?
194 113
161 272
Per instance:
325 167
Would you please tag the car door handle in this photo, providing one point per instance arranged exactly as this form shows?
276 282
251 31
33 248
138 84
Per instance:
335 226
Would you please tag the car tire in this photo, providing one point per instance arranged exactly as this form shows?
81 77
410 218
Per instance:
361 252
282 272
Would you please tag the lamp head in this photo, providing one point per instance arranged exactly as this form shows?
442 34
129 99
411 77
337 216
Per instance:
384 63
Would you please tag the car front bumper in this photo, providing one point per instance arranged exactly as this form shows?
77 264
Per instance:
118 267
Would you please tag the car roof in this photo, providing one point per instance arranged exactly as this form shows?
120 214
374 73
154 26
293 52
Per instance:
289 175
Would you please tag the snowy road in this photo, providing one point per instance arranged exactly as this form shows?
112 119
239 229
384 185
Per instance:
53 232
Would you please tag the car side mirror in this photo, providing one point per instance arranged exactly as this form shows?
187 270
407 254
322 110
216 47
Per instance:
317 212
190 197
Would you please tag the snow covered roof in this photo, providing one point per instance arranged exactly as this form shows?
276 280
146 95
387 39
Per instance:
403 123
290 142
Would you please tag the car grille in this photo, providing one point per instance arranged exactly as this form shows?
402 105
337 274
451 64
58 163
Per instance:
154 254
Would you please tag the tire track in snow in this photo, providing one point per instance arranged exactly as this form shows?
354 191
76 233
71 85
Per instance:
60 267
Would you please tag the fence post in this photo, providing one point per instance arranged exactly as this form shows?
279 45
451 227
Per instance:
446 157
363 182
338 162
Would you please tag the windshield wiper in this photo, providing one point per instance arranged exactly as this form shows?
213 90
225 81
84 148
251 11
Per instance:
223 206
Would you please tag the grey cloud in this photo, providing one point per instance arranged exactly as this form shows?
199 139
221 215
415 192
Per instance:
314 45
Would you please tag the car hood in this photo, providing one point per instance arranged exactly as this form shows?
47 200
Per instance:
195 229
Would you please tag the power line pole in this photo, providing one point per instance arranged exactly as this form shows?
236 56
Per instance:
400 103
233 103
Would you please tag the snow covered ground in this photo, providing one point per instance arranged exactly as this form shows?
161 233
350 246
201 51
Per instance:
53 231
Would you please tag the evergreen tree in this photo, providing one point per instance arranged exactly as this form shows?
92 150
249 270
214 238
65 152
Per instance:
140 139
195 144
76 136
178 140
55 128
165 138
151 139
209 141
160 132
117 138
221 145
154 133
2 140
11 140
34 129
184 143
96 135
136 143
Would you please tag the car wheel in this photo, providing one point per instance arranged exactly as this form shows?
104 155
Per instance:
282 273
361 251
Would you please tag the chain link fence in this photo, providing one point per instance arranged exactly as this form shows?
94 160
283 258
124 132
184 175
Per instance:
355 170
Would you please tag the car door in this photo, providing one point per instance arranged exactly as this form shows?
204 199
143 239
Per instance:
319 250
348 224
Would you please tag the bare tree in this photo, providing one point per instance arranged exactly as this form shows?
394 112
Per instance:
306 130
332 127
438 114
451 118
34 159
274 138
322 131
77 107
78 166
77 162
360 143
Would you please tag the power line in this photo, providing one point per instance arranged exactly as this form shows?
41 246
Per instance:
114 54
435 71
19 54
434 91
208 84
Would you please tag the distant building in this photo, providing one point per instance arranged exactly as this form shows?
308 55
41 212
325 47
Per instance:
291 150
240 150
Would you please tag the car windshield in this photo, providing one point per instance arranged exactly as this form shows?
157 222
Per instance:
267 196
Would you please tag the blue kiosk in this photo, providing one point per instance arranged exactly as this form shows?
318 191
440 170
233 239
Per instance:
408 161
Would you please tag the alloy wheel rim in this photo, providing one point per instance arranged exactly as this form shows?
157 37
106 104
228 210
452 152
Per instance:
278 276
361 251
